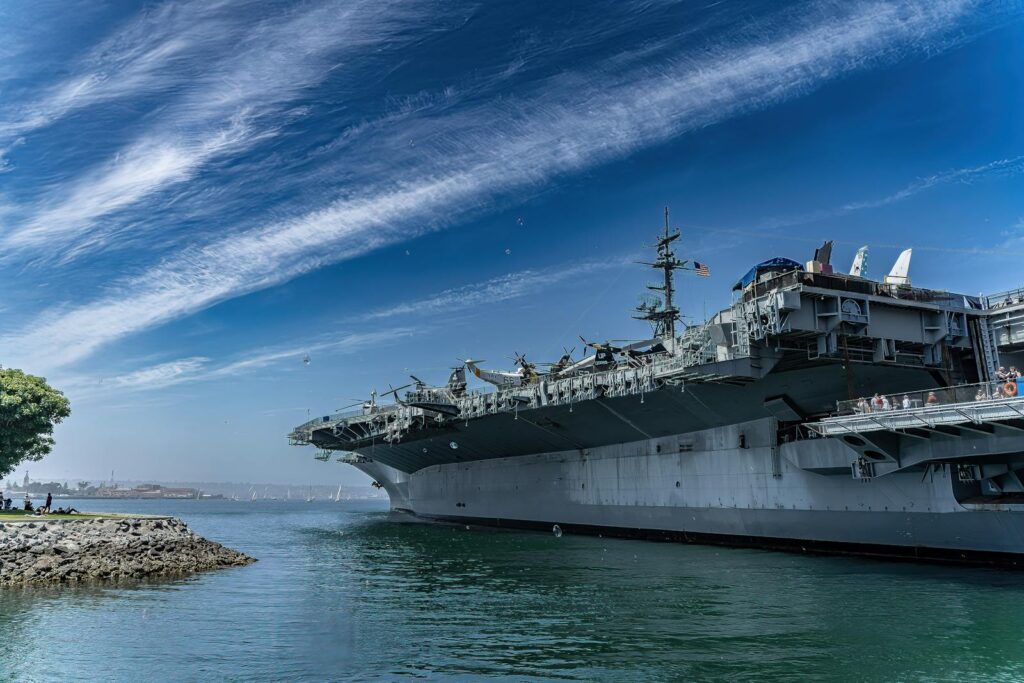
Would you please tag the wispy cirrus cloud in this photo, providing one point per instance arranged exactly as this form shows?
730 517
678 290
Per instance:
502 288
1005 168
152 377
202 368
138 171
232 104
155 51
999 168
571 122
346 343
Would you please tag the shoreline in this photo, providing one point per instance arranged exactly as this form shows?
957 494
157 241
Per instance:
48 550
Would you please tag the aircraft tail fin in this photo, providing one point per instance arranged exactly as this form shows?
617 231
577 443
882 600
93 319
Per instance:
860 263
900 273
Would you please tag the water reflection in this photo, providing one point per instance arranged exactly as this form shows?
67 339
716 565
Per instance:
580 607
342 592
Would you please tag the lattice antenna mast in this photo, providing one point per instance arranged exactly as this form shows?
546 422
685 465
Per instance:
664 318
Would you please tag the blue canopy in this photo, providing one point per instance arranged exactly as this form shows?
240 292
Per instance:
778 263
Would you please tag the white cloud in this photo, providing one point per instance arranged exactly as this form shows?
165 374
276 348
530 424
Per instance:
152 377
1000 168
226 108
348 343
501 288
573 123
137 172
145 55
202 368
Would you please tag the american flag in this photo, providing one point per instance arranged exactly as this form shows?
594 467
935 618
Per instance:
701 269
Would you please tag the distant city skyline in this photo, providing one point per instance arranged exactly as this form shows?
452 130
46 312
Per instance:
196 196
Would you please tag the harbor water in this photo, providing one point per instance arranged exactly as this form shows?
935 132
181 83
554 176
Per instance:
342 591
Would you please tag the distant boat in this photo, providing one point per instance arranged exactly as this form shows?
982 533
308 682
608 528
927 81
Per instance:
337 496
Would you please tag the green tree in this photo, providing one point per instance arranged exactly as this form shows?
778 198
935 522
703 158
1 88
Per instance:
29 408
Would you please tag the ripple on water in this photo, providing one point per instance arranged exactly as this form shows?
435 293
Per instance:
341 591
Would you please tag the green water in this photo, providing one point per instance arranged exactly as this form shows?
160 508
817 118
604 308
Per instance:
342 593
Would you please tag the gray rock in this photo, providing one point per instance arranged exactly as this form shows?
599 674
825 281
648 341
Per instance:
94 550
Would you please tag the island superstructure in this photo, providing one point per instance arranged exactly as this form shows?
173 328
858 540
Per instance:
820 411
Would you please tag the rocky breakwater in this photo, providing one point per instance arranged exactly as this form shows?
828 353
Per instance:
106 549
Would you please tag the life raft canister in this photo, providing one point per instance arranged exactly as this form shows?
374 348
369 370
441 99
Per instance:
1010 388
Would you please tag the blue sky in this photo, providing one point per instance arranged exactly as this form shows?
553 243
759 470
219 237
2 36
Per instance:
196 195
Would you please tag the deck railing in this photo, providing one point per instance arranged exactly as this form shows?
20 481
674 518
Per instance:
1010 297
908 400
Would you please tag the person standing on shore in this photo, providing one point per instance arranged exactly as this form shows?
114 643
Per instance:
49 502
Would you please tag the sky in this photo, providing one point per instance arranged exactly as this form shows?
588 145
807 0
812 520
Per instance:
197 196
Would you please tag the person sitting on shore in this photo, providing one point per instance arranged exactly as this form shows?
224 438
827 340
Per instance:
932 398
28 503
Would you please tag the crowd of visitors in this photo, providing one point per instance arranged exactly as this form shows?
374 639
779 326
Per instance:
1004 375
44 509
1005 387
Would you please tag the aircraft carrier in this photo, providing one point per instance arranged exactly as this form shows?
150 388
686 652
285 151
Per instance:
820 412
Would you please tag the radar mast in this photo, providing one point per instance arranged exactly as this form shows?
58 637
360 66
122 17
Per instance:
663 318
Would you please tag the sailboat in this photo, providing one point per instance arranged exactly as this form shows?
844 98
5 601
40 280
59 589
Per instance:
337 496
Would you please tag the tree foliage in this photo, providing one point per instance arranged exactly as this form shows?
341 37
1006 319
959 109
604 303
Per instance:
29 409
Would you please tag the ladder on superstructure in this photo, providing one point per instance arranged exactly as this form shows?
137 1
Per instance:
989 351
989 361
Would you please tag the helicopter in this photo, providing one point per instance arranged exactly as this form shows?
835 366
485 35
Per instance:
426 397
564 361
368 407
524 375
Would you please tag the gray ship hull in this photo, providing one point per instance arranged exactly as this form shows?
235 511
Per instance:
702 487
707 436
